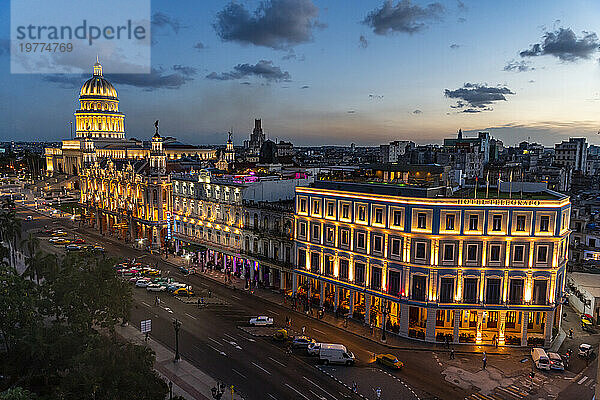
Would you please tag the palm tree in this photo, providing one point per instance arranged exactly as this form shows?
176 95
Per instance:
10 232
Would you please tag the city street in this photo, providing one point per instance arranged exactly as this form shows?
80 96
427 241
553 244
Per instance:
211 339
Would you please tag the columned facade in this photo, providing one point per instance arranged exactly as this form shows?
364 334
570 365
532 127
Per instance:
435 267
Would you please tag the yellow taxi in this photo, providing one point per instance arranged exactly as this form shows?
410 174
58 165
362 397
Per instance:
183 292
61 242
60 233
389 360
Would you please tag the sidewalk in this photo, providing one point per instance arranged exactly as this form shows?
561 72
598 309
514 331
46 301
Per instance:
188 381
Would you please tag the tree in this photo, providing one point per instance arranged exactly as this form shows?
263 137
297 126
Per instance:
33 258
17 304
113 370
17 393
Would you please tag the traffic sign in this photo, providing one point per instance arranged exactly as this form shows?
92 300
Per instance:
146 326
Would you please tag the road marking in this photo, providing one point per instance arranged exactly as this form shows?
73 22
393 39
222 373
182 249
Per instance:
217 350
247 338
214 341
235 297
273 397
191 316
240 374
229 336
273 312
315 329
258 366
319 387
588 382
297 391
275 361
582 380
146 304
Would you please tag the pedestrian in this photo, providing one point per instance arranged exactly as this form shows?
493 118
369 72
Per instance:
452 354
209 293
484 360
156 301
378 393
199 302
495 341
303 329
571 333
354 387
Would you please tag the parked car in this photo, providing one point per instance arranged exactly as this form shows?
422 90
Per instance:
389 360
585 350
335 354
72 247
183 292
59 233
261 320
29 218
540 358
302 342
173 286
142 283
133 280
79 241
313 348
156 287
556 361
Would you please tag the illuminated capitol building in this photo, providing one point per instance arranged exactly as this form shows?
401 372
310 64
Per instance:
465 268
100 121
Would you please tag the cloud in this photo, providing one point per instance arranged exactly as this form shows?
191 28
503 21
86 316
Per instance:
531 81
158 78
402 17
362 42
262 69
564 44
305 87
278 24
461 6
417 112
199 46
161 20
454 46
351 112
461 20
518 66
187 71
375 97
476 97
245 83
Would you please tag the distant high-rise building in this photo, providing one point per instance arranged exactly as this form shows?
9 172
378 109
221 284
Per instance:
390 153
571 154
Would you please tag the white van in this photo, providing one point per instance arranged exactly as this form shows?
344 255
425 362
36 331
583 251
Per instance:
335 354
540 358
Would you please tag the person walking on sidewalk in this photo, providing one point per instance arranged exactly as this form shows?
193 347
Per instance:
303 329
354 387
484 360
452 354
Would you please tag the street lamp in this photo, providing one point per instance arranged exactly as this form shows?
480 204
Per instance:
176 326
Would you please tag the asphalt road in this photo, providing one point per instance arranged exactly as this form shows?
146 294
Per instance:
210 338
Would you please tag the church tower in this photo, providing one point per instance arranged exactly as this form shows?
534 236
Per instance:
229 150
158 157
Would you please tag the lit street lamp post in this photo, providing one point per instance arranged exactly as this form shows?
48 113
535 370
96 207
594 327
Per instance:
177 326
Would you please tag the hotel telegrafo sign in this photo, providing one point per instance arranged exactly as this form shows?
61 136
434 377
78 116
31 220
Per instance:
499 202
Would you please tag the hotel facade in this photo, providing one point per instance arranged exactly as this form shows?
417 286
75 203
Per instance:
435 267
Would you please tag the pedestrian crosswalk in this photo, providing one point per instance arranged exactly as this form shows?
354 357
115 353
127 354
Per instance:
519 390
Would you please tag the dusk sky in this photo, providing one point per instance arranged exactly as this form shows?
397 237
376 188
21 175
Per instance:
336 72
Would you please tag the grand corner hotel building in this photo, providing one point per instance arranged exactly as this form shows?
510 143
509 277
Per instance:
435 267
